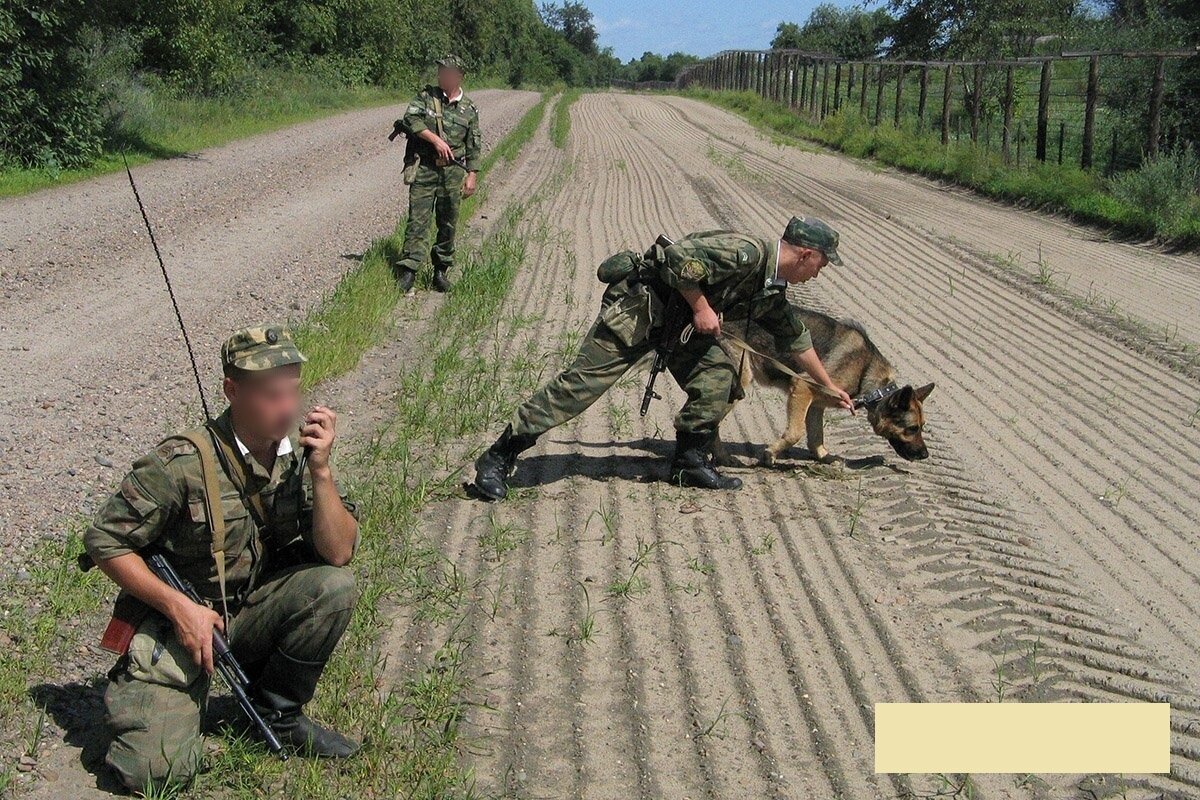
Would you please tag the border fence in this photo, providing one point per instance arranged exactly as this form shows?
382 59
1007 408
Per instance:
1101 110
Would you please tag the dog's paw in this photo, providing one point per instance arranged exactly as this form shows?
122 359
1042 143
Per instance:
767 458
830 458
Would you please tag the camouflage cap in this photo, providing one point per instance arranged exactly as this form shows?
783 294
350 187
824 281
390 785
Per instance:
814 233
261 347
452 61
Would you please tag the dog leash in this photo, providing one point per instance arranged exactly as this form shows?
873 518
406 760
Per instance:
686 334
865 400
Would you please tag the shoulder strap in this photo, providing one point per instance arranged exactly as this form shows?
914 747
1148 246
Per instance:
437 115
202 440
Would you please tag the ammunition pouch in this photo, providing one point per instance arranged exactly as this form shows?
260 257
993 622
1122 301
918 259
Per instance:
617 267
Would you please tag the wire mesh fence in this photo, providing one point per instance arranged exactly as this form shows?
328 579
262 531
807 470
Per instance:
1102 111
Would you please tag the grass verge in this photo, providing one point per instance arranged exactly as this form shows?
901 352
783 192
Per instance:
156 125
562 118
1083 196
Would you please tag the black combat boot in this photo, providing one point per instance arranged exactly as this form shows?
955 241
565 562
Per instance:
440 282
692 465
497 463
405 278
279 695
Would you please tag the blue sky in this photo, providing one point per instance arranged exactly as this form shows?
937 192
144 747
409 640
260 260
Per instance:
701 27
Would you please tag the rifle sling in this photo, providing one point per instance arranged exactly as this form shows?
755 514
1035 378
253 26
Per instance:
212 503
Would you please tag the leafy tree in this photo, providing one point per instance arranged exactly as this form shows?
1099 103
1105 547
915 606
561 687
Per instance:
849 33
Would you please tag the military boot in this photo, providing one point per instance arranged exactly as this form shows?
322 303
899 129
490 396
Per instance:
405 278
497 463
692 465
440 282
279 695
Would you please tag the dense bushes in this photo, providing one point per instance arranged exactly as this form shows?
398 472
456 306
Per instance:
82 74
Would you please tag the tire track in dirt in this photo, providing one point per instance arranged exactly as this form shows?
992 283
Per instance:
1078 454
695 684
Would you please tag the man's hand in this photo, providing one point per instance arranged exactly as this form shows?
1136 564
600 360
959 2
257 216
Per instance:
468 187
706 321
194 625
846 401
443 149
318 433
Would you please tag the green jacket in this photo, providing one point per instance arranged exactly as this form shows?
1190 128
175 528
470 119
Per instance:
159 507
737 274
460 121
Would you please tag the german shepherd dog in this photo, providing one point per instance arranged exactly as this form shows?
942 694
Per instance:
855 364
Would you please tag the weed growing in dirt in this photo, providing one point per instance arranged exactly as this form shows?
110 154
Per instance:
856 511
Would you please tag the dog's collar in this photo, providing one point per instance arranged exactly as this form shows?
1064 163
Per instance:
875 395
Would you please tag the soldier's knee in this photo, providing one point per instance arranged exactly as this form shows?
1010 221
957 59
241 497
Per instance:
335 588
156 733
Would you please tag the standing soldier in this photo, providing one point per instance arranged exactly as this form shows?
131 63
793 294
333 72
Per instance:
442 158
706 275
276 586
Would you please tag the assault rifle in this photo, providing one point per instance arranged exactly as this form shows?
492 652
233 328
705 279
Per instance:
223 659
667 342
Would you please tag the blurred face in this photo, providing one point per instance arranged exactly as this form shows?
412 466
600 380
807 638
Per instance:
265 403
449 80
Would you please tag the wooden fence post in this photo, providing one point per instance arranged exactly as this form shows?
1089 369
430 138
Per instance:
804 84
946 104
812 90
862 93
879 95
899 91
924 96
1043 115
976 98
1008 114
849 80
1156 100
825 90
1089 113
837 86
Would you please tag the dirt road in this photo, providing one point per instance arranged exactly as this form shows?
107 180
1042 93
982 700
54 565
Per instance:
635 640
92 358
643 641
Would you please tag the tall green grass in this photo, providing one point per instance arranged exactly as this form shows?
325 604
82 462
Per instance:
562 118
1135 203
153 124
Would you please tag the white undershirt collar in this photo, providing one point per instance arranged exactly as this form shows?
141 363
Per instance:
284 447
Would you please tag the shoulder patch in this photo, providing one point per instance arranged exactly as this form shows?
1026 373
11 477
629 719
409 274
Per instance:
170 449
694 270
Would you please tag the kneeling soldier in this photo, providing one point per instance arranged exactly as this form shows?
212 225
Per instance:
705 274
276 586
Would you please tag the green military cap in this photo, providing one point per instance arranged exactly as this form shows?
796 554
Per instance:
452 61
814 233
261 347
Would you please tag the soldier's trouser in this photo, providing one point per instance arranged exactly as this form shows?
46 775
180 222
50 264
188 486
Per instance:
433 200
158 695
700 366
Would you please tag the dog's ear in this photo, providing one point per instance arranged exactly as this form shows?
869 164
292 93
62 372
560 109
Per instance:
924 391
902 398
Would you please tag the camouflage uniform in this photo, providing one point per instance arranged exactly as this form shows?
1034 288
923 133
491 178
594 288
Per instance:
736 272
436 193
279 598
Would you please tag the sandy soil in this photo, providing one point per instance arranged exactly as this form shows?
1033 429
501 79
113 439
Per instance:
1044 552
1052 532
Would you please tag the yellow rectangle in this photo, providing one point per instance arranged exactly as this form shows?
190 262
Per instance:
1023 737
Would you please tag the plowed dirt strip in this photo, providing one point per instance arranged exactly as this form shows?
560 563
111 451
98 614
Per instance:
256 230
640 640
